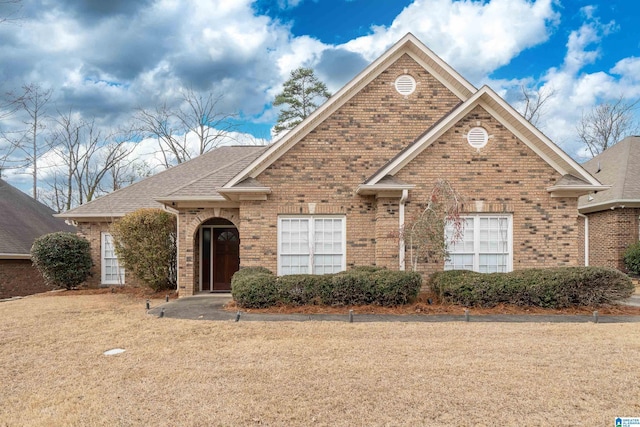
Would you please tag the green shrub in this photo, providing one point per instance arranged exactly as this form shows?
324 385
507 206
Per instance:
255 288
145 241
396 287
366 268
351 287
632 258
552 287
298 289
63 259
248 271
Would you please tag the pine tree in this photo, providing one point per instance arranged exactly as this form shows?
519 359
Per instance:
301 93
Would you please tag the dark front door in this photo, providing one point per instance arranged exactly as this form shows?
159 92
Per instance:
226 257
220 258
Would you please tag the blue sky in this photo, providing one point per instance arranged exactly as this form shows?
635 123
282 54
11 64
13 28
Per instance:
105 59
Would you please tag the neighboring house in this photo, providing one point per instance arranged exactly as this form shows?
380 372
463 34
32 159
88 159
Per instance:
334 192
22 220
612 216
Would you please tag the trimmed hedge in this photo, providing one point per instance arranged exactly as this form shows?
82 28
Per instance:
63 259
371 285
632 258
550 288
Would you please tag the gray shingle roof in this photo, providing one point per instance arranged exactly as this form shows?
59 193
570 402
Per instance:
197 178
22 220
618 166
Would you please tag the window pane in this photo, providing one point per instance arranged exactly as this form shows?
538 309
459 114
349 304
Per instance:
464 243
303 242
294 264
459 262
294 236
112 273
325 264
490 252
493 263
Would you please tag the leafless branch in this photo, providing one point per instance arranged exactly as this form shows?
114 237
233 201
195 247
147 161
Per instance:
606 124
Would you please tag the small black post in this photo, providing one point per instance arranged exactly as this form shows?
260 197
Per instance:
350 316
148 304
162 312
238 316
595 317
466 314
167 299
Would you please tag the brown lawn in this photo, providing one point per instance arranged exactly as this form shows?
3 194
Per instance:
199 373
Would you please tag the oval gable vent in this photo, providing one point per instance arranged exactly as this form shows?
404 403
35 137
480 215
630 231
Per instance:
477 137
405 85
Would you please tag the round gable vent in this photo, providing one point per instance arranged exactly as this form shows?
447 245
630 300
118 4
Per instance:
477 137
405 85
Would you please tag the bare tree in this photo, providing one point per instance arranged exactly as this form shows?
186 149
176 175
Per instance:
124 173
87 155
197 116
606 124
534 102
425 233
200 115
32 103
9 9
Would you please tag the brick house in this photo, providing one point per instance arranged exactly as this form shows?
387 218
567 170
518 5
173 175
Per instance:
611 217
22 220
334 191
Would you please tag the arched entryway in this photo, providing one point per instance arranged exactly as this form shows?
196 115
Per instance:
219 254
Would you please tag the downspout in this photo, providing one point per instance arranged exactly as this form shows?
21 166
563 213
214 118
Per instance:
401 253
586 238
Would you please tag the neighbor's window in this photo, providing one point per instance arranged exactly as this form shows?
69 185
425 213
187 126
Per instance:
485 245
311 245
112 273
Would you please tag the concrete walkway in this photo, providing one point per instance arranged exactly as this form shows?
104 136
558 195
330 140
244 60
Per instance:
210 307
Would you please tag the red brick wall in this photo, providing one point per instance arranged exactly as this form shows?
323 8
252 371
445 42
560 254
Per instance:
19 278
323 171
610 233
326 166
506 176
92 231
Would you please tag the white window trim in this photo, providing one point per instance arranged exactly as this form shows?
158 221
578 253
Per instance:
311 219
103 280
476 238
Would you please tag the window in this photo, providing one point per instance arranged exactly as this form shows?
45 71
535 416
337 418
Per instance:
311 245
112 273
485 245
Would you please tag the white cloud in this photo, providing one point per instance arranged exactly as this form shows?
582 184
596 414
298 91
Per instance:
475 38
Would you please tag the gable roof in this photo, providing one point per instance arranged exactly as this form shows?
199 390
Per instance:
408 45
197 178
619 167
575 178
22 220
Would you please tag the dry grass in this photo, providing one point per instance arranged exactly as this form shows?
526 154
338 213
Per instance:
181 372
